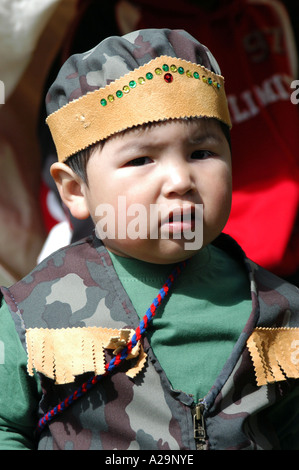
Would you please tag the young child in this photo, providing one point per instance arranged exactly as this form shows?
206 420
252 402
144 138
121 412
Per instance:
162 335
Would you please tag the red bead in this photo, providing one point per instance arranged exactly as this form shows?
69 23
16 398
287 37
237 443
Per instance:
168 78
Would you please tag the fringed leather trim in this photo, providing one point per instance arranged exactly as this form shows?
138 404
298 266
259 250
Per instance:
63 354
275 354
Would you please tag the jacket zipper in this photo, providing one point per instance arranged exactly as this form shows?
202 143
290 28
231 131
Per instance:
199 426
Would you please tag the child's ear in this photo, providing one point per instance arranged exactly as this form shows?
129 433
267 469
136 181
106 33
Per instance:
71 189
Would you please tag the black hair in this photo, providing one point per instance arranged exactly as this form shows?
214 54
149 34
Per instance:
78 161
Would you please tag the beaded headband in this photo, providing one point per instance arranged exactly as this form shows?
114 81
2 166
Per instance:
164 88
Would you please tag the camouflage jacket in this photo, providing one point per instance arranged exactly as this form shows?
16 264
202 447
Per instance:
77 290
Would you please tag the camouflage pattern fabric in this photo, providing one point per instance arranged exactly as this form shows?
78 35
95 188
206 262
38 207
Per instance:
78 287
117 56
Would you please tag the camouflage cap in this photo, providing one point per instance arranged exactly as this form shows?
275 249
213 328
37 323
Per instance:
116 68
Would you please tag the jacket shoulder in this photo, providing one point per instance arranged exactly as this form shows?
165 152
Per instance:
64 274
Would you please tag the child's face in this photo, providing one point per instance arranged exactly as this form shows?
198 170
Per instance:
175 163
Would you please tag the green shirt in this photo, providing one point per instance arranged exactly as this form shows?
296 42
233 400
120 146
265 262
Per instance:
195 331
19 393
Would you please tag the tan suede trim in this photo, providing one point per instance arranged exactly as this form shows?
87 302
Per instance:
275 354
62 354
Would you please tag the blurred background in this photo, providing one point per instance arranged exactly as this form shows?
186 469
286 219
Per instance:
256 45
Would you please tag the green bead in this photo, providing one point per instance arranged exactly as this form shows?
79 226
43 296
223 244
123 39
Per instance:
119 93
210 81
181 70
132 84
149 75
165 67
103 102
196 75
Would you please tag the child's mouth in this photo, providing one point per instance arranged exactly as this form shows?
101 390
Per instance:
179 221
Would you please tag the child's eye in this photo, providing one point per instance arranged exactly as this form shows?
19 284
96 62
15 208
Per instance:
139 161
201 154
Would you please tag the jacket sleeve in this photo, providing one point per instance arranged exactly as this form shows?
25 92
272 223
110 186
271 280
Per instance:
19 393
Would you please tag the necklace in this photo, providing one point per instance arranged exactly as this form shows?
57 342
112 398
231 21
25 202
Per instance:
120 357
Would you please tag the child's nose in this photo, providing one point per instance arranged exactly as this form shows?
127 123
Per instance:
178 179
